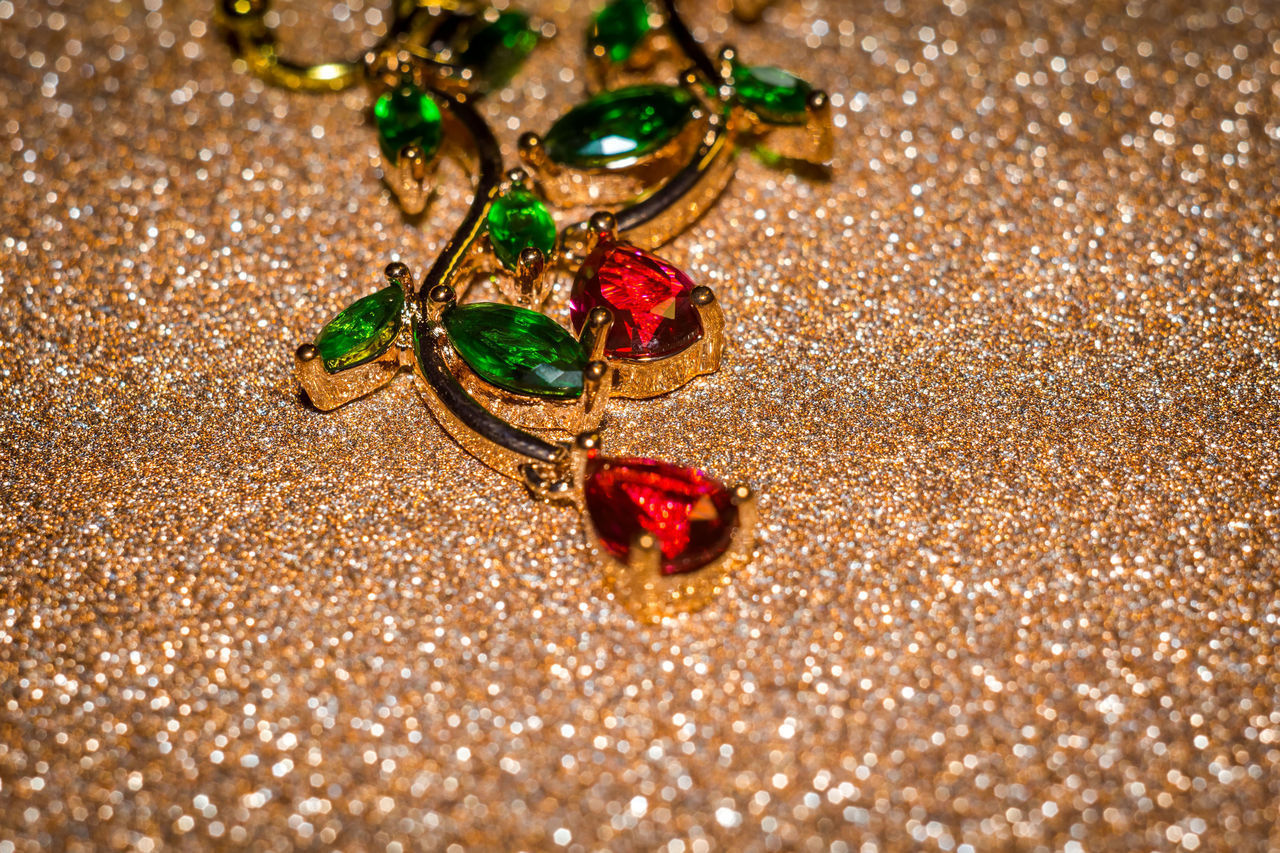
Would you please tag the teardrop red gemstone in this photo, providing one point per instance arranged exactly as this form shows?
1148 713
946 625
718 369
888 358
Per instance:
691 515
651 301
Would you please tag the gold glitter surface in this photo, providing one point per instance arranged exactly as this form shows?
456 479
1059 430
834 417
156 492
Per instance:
1007 385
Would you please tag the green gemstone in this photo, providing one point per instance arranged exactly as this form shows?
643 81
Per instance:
518 220
614 128
517 349
776 95
619 28
498 49
404 116
363 331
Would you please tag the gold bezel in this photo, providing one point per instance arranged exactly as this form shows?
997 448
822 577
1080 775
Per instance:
641 378
605 186
522 410
328 391
637 582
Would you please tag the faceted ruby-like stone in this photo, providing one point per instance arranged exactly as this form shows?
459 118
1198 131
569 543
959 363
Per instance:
691 515
653 312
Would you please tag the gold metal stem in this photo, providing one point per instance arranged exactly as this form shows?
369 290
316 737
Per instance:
488 159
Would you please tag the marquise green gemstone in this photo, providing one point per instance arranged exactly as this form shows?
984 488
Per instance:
614 128
498 49
361 332
404 116
517 349
519 220
774 94
619 28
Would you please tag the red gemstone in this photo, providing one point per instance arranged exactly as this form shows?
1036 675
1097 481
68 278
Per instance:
653 314
691 515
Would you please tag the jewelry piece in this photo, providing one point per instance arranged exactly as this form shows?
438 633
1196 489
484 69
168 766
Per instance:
667 536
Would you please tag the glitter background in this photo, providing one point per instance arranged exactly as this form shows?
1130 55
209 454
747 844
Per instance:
1007 386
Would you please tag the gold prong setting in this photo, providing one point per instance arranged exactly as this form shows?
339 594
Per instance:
329 386
647 578
652 581
518 245
524 410
644 378
640 376
615 179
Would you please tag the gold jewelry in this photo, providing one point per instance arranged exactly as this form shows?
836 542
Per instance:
503 379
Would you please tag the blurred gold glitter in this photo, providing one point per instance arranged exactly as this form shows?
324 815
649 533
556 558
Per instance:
1008 385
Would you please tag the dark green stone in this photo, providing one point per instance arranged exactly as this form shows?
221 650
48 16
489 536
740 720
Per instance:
619 28
614 128
774 94
517 349
518 220
497 50
361 332
404 116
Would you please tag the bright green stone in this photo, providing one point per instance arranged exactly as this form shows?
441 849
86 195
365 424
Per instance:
404 116
518 220
615 128
361 332
774 94
517 349
619 28
498 49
